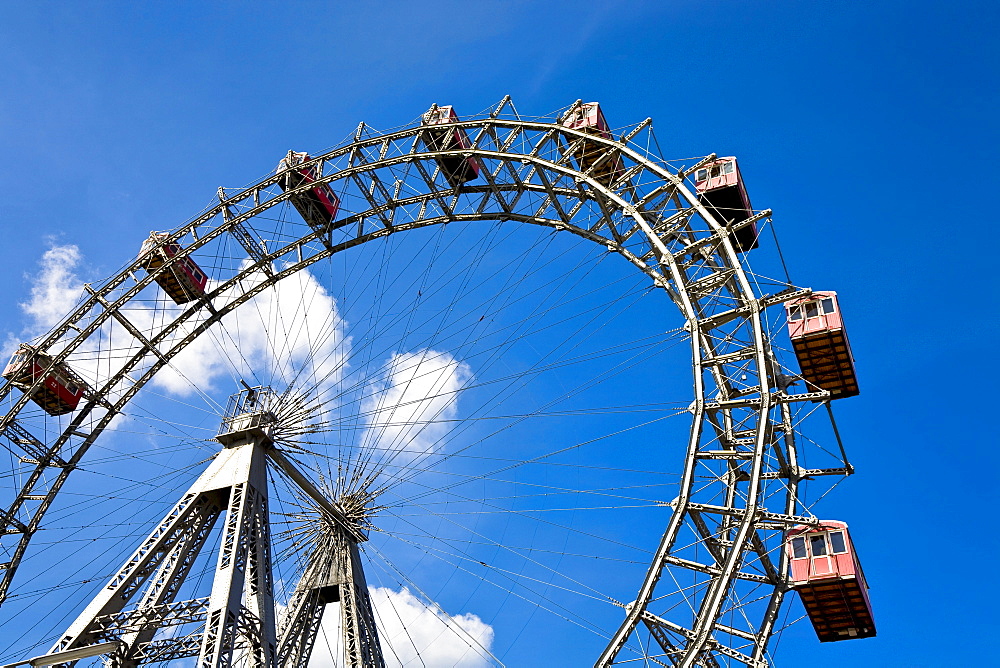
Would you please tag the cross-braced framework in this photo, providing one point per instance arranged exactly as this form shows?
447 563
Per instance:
235 624
716 582
334 574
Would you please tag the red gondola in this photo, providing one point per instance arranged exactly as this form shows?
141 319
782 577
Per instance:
456 169
820 341
720 187
318 206
589 118
826 573
61 389
184 281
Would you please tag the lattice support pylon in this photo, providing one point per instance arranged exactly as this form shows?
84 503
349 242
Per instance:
361 646
244 564
235 625
334 574
237 619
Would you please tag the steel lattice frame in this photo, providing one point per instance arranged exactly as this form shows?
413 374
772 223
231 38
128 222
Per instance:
721 539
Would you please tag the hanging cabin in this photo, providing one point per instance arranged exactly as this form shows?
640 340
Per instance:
719 186
826 573
184 281
318 205
61 389
456 169
590 119
820 341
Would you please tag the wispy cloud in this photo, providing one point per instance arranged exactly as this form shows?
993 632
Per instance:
55 289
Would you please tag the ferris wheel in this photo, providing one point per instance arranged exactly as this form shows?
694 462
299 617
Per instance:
433 378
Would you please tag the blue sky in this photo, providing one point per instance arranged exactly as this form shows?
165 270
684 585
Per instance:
869 128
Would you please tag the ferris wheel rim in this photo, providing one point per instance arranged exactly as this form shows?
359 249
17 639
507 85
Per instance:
722 245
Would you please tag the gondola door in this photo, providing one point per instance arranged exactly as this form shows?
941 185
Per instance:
821 562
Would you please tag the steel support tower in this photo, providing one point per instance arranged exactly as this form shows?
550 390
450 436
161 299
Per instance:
131 619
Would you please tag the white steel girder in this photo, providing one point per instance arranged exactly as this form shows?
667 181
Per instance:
334 574
234 486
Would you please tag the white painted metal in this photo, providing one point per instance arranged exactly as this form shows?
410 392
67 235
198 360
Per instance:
233 487
237 620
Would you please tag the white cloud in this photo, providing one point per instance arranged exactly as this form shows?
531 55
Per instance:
412 634
291 333
412 404
56 289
